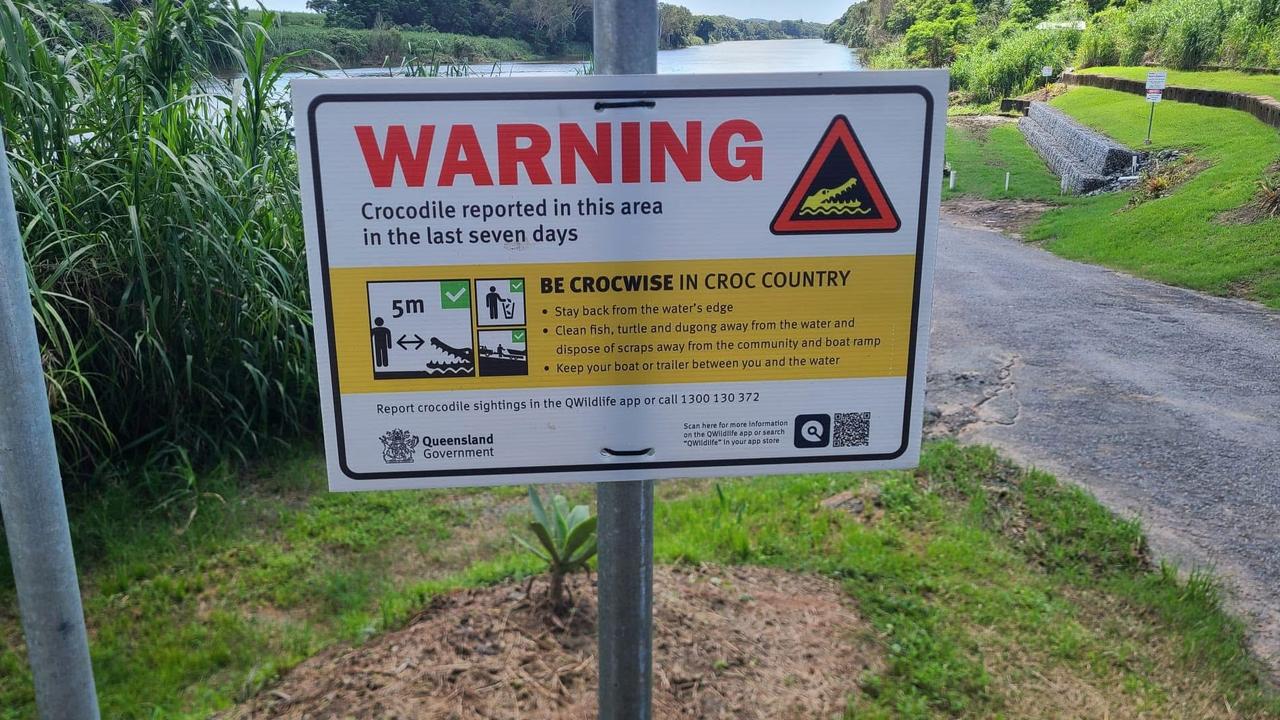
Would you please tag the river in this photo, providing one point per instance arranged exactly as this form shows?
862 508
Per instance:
726 57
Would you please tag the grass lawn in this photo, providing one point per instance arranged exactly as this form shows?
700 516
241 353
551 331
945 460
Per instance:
1180 238
1230 80
980 157
1185 238
992 592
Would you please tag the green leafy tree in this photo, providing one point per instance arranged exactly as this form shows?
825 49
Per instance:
934 42
551 21
675 23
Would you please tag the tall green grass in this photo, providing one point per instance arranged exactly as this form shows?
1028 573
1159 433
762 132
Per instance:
159 209
1012 65
1185 34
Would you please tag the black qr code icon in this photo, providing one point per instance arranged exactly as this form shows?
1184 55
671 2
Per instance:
852 430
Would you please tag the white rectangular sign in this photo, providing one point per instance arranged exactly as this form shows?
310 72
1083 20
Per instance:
591 278
1155 96
1156 80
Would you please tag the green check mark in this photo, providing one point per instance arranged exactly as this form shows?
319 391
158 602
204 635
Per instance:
517 285
454 295
517 336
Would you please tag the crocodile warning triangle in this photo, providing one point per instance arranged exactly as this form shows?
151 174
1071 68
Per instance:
838 191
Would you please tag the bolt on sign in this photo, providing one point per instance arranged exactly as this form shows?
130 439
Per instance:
559 279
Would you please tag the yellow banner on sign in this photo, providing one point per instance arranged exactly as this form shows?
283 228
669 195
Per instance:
486 327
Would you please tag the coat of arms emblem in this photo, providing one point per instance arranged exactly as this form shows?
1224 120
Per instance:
398 446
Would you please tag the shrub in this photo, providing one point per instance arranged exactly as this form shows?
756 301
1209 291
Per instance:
346 46
1100 43
1014 67
1269 195
385 44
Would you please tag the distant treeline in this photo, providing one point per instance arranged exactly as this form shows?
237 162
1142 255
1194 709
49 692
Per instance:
997 47
549 26
679 27
390 45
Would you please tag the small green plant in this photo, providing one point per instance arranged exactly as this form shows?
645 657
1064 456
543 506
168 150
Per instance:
1269 195
566 541
729 511
1156 185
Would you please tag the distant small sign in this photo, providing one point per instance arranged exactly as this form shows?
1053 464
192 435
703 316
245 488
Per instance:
1062 25
1156 80
1047 71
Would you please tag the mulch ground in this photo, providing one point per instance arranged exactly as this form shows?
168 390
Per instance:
736 643
1008 216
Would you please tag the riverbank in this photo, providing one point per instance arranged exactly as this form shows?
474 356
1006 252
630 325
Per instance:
322 47
725 57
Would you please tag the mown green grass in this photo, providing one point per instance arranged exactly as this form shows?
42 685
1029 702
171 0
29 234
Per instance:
1181 238
1230 80
980 160
977 579
188 614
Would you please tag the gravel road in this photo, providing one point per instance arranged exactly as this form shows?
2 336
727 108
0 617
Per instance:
1163 402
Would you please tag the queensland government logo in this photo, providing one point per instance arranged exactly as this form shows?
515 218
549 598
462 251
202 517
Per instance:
398 446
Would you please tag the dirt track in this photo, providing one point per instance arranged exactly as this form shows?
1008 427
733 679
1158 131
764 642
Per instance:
1165 403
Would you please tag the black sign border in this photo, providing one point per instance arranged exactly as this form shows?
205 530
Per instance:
655 95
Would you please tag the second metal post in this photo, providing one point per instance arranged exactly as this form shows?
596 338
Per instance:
31 500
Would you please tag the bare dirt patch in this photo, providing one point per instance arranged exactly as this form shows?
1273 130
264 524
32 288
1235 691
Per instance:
980 125
728 643
1011 217
1046 93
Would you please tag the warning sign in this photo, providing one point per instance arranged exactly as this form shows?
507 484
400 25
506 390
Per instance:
549 280
838 191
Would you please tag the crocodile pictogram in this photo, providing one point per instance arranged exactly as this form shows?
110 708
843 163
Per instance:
837 190
464 365
823 201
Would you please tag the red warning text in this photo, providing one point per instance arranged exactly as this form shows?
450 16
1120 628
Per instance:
626 152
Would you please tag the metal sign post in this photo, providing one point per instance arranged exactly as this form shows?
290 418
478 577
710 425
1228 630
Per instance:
625 43
35 512
1156 81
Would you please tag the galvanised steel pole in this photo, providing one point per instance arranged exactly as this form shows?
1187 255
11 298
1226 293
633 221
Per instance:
625 43
35 513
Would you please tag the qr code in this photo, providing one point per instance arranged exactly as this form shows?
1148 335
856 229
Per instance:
852 430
